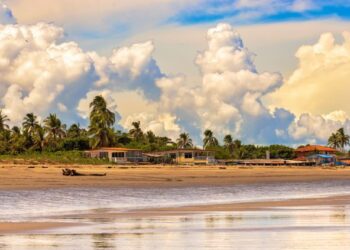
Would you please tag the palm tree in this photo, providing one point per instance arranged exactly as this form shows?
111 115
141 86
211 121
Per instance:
15 134
100 113
333 141
209 139
17 142
30 124
184 141
237 145
101 120
151 137
343 138
39 138
3 121
228 143
74 130
136 132
54 127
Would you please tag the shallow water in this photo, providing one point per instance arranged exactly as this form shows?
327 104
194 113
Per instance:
319 227
22 205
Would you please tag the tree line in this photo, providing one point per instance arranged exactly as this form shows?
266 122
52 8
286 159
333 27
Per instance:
52 135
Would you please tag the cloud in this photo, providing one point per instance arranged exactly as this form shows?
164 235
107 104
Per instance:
41 71
36 68
129 68
316 128
228 95
230 91
319 85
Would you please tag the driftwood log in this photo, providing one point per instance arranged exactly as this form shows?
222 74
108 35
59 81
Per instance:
73 172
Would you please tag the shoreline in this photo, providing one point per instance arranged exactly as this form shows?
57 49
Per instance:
29 177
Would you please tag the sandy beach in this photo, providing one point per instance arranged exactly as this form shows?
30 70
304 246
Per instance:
38 177
28 177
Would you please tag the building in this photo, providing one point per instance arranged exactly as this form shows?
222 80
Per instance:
188 156
117 155
320 155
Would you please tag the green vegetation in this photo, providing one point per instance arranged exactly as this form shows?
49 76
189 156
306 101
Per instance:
64 157
184 141
339 140
53 141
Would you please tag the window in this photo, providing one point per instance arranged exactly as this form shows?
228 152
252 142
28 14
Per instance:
118 155
188 155
103 154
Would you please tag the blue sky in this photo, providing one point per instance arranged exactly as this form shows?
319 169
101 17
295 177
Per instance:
251 12
259 70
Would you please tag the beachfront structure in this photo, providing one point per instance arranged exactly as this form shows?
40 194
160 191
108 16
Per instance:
188 156
117 155
320 155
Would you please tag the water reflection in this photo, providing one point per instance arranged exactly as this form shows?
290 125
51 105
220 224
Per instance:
103 241
300 228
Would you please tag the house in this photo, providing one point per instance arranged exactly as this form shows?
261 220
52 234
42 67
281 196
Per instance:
117 155
189 156
320 155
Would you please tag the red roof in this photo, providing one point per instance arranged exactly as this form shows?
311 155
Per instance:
312 148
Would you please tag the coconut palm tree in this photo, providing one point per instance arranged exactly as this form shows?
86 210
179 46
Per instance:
39 138
237 145
333 141
136 131
343 138
3 121
209 139
151 137
184 141
17 141
74 130
228 143
101 120
30 124
54 128
15 134
100 113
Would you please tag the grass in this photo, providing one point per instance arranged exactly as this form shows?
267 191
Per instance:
64 157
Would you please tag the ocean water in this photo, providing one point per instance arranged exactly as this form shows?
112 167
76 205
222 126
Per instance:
315 227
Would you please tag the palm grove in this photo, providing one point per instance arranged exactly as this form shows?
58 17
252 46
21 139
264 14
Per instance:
52 135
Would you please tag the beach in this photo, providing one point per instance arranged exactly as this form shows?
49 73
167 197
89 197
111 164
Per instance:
28 176
139 205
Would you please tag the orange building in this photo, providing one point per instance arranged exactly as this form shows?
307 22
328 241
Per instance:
317 154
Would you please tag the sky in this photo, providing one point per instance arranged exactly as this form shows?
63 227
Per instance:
264 71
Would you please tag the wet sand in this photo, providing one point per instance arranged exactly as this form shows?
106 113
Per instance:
23 227
230 207
108 215
29 177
